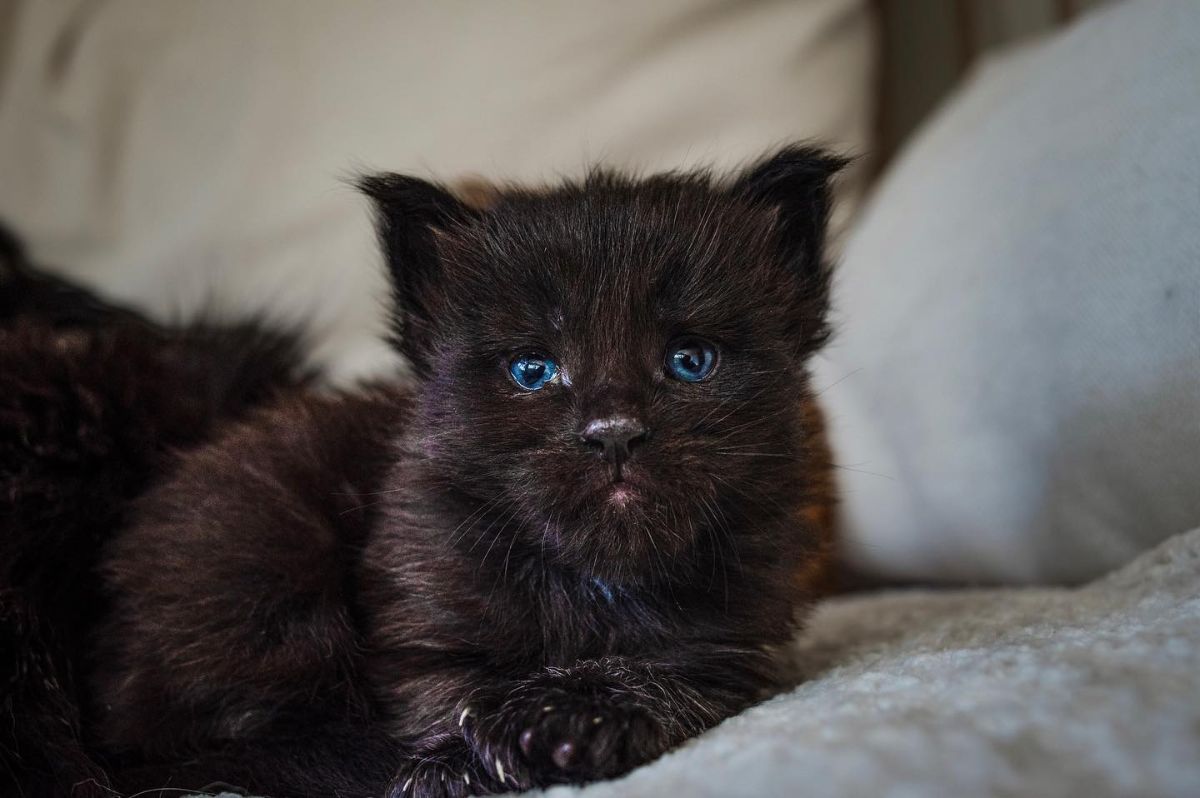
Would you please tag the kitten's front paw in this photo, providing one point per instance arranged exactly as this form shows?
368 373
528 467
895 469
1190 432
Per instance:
559 736
583 740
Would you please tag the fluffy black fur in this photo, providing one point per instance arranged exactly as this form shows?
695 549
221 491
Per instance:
94 399
445 589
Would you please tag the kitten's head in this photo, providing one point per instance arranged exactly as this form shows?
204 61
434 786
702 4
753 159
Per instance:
615 366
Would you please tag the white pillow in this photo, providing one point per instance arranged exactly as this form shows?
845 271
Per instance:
1016 383
177 154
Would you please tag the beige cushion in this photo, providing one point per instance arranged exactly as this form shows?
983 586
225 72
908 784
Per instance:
182 153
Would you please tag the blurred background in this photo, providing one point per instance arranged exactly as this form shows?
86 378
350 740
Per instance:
1013 390
185 153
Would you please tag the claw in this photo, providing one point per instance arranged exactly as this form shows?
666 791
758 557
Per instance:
499 770
467 779
466 713
407 784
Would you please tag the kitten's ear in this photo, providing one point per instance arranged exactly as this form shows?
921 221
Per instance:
796 183
409 212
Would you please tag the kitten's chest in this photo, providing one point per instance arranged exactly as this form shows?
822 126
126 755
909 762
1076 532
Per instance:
587 618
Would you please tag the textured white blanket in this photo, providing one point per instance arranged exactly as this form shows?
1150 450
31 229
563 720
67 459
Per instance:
1093 692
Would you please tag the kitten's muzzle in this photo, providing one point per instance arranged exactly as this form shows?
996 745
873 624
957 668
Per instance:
614 437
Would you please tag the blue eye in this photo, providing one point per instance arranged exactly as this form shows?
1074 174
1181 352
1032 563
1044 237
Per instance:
532 372
691 359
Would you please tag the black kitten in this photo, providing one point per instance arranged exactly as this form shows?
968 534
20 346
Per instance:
573 544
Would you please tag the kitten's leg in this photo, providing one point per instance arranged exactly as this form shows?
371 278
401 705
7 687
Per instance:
602 718
594 720
443 765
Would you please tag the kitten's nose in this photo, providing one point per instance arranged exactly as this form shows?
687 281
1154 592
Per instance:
615 436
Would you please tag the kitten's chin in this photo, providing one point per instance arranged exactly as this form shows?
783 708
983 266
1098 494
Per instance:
621 496
622 533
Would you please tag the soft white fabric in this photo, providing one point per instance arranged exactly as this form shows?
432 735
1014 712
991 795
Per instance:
183 153
1015 389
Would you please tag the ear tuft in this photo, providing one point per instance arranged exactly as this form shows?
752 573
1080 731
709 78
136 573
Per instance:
408 213
411 198
796 182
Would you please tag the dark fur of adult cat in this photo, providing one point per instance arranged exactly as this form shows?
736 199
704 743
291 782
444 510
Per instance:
463 586
93 399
